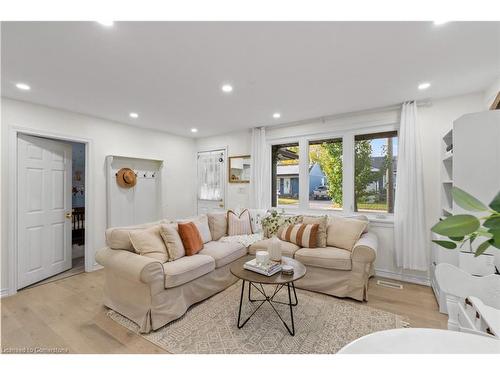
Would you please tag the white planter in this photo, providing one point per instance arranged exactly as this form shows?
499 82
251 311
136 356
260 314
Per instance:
479 266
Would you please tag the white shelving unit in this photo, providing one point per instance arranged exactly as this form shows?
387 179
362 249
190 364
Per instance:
446 174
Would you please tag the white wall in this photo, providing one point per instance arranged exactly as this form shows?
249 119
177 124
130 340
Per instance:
491 93
107 138
237 143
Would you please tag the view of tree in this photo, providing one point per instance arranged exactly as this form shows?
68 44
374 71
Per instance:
329 157
363 174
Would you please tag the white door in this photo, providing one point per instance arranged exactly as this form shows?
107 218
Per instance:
44 208
211 180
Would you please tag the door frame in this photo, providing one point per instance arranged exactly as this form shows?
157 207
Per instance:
13 192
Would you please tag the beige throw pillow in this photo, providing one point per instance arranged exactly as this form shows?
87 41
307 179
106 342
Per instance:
148 242
201 223
173 241
217 223
344 233
238 225
322 222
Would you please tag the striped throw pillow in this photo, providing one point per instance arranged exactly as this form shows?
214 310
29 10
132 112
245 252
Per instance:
303 235
238 225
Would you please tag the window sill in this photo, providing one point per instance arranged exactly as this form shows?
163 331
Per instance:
387 219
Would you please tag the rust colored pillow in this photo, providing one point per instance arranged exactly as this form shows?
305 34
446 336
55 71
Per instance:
191 238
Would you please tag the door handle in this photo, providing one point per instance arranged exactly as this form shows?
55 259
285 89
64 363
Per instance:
68 215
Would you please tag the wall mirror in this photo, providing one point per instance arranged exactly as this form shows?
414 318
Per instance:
239 169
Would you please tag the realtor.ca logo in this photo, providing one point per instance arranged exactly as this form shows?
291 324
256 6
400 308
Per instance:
34 350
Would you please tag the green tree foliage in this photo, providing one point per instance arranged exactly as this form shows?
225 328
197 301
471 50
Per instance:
329 157
363 174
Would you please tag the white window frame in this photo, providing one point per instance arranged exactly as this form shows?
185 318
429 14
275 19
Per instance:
347 136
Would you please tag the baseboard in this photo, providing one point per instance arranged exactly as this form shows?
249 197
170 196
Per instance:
96 267
414 279
4 293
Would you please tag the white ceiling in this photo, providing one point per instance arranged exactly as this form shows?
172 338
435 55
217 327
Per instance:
171 72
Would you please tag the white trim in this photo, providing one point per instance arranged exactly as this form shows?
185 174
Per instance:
4 292
14 131
414 279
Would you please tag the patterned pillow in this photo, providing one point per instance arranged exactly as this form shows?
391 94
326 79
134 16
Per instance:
238 225
274 222
303 235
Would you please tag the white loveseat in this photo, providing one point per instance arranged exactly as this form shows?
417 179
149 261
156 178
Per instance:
152 293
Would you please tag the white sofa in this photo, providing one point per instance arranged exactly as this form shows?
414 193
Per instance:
152 293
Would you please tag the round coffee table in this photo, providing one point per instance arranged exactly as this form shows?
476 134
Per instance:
257 281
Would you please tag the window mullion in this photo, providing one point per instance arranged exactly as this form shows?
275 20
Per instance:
348 173
303 174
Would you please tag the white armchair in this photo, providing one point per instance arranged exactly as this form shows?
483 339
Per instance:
473 302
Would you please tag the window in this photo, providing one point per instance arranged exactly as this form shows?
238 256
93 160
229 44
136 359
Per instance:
375 171
325 174
211 175
285 175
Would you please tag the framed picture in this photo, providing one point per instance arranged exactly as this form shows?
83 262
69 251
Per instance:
239 169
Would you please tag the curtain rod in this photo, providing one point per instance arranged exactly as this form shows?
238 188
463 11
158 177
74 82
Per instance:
323 119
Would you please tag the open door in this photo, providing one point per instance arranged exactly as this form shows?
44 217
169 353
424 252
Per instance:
44 208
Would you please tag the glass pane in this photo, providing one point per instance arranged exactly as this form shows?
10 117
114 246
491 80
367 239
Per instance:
210 175
375 172
325 174
285 175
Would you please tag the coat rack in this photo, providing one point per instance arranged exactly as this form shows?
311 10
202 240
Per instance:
139 204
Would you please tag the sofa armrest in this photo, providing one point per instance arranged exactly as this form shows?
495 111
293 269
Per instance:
365 250
129 265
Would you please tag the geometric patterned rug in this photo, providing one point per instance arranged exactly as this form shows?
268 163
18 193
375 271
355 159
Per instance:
323 324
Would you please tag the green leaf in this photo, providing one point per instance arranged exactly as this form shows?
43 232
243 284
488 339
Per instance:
495 241
492 223
467 201
495 203
458 239
482 248
446 244
456 226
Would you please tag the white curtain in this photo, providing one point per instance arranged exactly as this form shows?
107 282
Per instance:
260 186
210 175
411 237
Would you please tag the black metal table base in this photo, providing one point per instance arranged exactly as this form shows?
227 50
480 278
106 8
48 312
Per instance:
269 299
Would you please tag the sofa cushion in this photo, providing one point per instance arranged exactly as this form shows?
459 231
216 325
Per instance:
217 223
304 235
201 222
148 242
117 238
173 241
325 257
185 269
322 222
287 248
191 238
344 233
238 225
223 252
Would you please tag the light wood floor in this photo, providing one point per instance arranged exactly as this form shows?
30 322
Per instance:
68 314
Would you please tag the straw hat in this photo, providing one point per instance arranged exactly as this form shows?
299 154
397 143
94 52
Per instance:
126 178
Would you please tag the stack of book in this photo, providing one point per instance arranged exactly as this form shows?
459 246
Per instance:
268 270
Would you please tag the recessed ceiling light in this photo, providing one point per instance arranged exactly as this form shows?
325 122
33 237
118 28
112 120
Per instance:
106 23
133 115
194 130
23 86
437 23
276 115
227 88
424 86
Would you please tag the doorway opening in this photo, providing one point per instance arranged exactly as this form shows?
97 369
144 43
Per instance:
51 209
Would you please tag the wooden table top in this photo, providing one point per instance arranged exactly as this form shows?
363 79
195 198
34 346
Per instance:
299 270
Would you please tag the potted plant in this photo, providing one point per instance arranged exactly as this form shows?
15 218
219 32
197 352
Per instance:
479 232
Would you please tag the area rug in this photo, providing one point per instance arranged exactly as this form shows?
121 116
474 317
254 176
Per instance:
323 324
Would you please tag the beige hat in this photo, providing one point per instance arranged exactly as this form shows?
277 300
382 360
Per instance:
126 178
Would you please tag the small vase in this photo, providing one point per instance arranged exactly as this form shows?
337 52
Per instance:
274 249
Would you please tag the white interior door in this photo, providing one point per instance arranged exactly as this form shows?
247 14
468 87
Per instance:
211 180
44 208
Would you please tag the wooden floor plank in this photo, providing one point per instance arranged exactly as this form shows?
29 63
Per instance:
69 314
